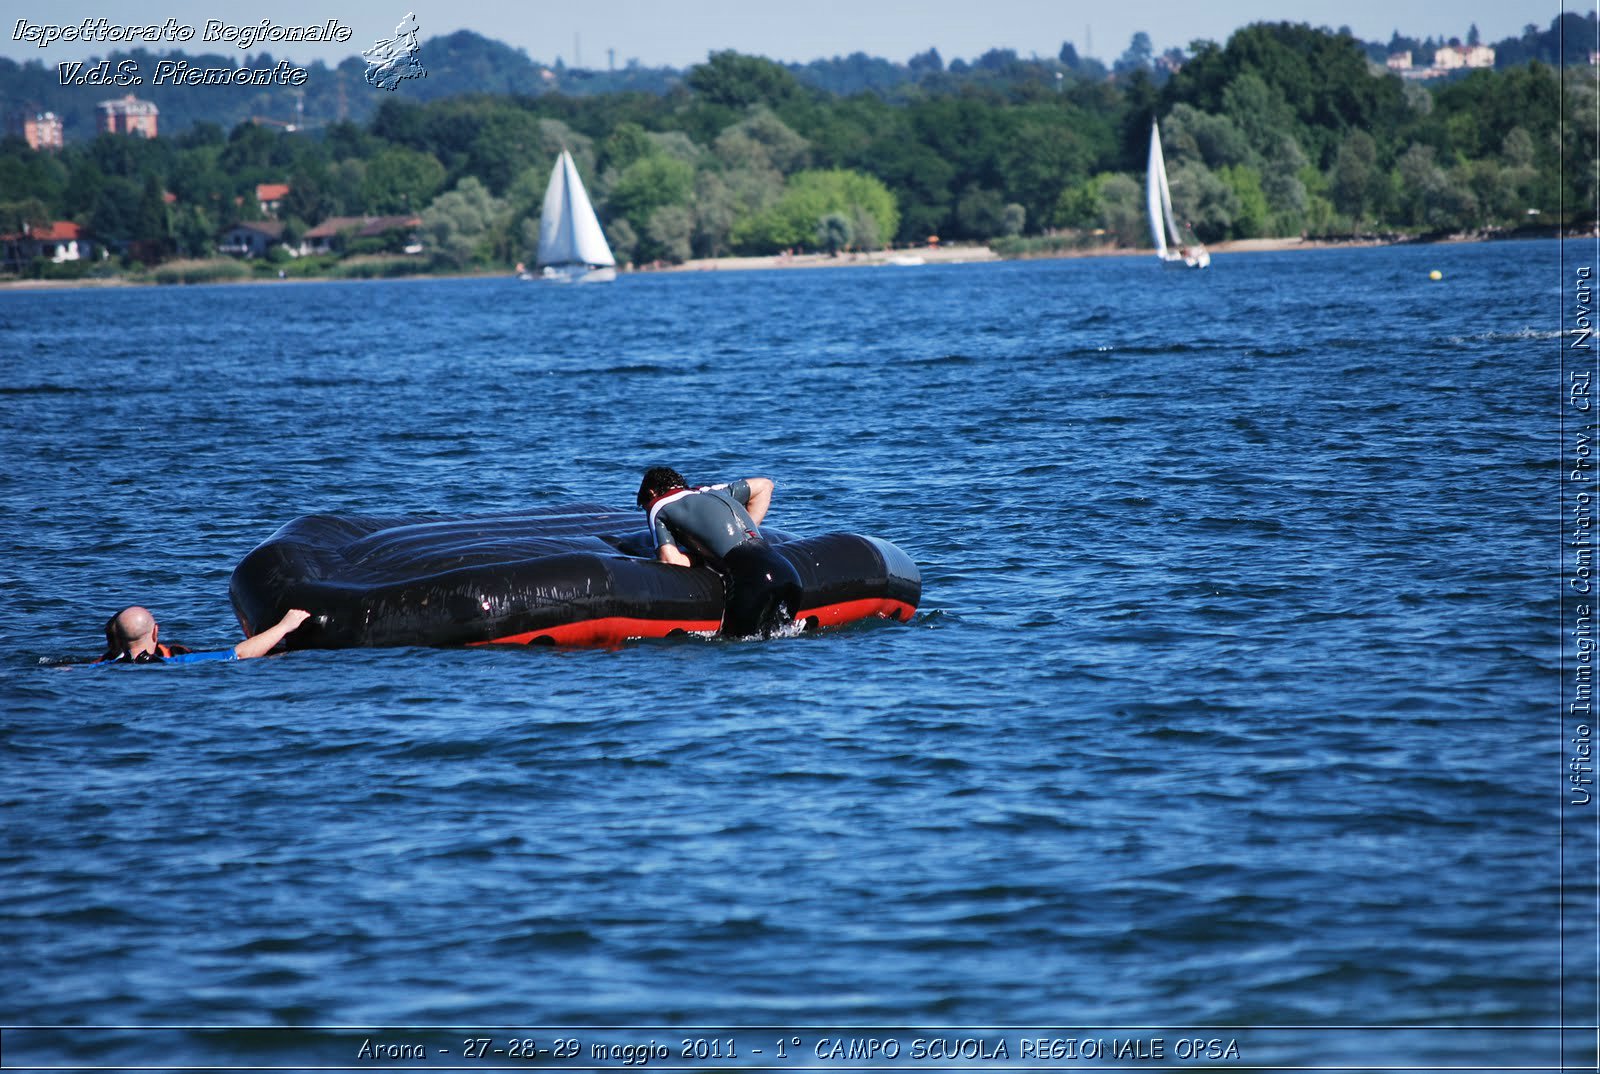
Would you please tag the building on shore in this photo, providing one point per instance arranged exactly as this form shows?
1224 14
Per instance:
1455 57
252 238
41 130
128 115
1446 60
57 242
270 197
333 235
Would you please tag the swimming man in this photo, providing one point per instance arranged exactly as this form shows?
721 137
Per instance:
132 636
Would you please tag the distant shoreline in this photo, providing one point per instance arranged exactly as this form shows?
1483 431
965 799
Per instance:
930 255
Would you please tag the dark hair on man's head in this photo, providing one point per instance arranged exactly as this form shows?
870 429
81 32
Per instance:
659 480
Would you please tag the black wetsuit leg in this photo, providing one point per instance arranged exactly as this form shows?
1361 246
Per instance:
763 590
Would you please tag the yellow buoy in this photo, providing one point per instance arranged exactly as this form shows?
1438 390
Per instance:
1435 275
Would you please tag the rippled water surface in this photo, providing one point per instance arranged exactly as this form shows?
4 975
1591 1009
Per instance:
1231 701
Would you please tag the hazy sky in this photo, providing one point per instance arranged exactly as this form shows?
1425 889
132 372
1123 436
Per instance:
682 32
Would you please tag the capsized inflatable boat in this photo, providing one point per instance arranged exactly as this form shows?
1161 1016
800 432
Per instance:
580 574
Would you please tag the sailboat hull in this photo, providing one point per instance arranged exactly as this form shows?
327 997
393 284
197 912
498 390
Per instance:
578 274
1193 261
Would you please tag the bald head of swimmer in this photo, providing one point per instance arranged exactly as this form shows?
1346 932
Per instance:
658 481
131 632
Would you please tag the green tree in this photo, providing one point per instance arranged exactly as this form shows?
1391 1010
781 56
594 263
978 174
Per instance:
669 234
154 229
1322 78
1078 205
1429 196
715 209
980 213
1419 182
737 81
1206 201
626 143
26 175
808 197
194 232
255 154
1516 148
1190 135
346 189
400 180
1136 56
114 218
463 223
1122 209
834 233
1014 218
23 213
1259 112
762 141
1042 155
676 145
1283 172
864 234
621 237
1493 195
528 232
306 198
646 185
1252 215
1355 179
507 141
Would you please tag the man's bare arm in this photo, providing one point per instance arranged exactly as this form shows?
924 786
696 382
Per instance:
760 497
262 643
669 553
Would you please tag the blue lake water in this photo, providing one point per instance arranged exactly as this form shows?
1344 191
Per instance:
1232 700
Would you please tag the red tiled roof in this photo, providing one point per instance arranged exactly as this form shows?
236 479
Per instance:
335 225
378 225
266 192
58 231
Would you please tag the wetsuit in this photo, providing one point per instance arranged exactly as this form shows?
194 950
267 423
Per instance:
762 590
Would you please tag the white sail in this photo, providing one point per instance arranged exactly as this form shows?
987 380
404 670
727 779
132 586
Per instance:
1155 190
569 233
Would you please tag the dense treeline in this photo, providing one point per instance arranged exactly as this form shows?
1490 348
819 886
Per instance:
1285 130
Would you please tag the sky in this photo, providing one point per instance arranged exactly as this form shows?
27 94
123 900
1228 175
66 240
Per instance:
678 33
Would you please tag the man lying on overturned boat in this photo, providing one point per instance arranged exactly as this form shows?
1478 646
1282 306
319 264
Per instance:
721 525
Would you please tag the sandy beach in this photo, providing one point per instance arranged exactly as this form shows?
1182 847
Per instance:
966 254
921 255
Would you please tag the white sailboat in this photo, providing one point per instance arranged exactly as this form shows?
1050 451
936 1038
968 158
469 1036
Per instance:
572 248
1180 252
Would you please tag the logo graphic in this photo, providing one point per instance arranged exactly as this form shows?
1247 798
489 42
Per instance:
391 62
